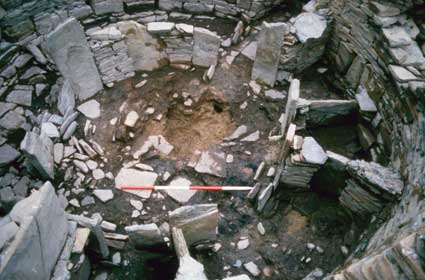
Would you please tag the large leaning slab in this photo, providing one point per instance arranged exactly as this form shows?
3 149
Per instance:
69 49
39 151
36 247
269 48
205 47
198 222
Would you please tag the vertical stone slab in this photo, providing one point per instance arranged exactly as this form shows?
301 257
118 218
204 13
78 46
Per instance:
68 47
291 104
39 150
268 52
205 48
43 229
23 258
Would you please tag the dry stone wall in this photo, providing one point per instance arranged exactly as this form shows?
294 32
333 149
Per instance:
377 50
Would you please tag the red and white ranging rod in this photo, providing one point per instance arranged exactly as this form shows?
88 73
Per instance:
187 188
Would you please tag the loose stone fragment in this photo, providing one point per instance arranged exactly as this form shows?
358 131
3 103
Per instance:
103 195
181 196
90 109
7 155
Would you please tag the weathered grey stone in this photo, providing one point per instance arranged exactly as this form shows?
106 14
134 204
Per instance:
50 130
205 48
24 257
376 176
147 235
131 119
103 195
66 98
90 109
366 104
7 155
198 8
133 177
68 47
397 36
102 7
12 121
401 74
268 52
330 112
160 27
39 150
274 94
36 52
143 48
181 196
37 216
250 50
211 163
241 130
7 232
20 97
309 26
198 222
312 152
239 277
6 107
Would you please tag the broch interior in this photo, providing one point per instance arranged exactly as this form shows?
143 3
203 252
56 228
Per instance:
317 105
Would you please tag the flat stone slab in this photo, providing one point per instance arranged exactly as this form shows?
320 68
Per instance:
250 50
160 27
12 120
205 47
312 152
20 97
397 36
131 119
68 47
134 177
7 155
375 175
90 109
366 103
212 163
198 222
103 195
309 26
6 107
241 130
401 74
274 94
146 235
50 130
181 196
269 48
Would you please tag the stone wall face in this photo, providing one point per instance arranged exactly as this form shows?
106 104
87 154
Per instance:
19 19
248 9
375 47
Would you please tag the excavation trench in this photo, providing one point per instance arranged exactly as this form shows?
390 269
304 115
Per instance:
298 230
292 218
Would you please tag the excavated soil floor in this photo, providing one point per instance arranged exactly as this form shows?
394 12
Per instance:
295 219
292 219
